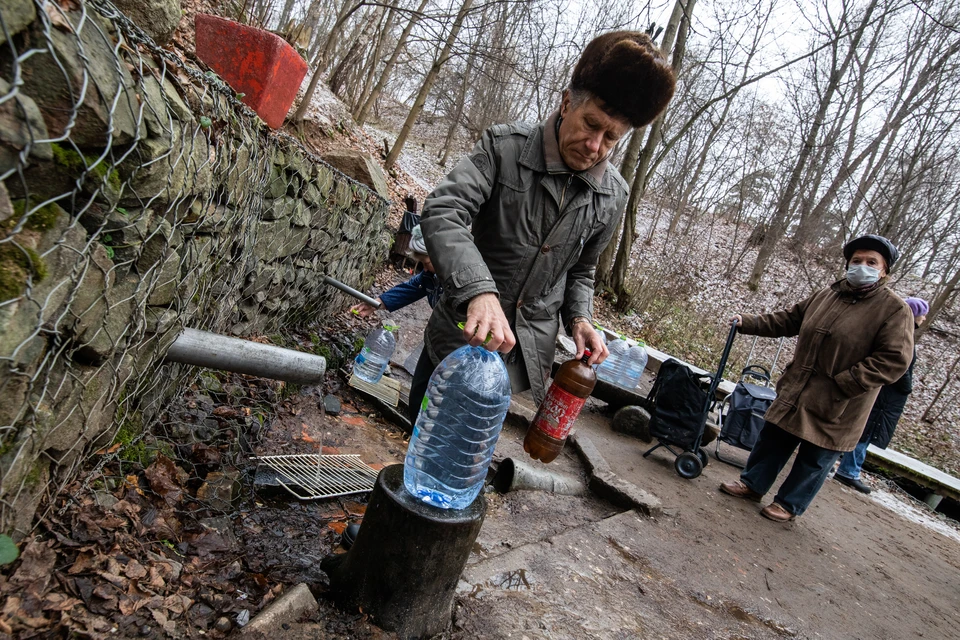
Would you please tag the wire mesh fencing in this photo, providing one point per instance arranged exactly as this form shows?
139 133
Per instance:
138 196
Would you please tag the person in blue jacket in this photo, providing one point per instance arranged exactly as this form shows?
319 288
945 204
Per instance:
425 284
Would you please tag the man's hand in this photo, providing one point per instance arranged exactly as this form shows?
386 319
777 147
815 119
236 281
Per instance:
736 320
584 336
364 310
485 317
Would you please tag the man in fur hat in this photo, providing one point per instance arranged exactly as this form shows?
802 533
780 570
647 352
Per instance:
515 230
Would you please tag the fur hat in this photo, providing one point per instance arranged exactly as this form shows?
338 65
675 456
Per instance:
629 73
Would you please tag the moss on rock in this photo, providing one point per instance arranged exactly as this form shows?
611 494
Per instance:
16 263
77 165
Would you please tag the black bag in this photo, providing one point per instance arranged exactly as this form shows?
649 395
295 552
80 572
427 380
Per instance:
743 420
679 402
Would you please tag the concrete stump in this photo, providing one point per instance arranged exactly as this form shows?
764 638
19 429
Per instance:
405 564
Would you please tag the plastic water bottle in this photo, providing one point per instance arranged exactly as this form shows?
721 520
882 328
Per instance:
457 429
634 362
607 371
373 359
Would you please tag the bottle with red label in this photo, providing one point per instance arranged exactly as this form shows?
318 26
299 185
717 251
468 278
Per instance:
571 387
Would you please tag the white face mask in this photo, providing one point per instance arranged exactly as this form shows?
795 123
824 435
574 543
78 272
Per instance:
860 275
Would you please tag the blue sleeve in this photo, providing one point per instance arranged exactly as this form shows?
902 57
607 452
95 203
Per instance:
404 294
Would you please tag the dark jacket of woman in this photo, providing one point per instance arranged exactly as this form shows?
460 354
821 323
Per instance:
849 345
888 408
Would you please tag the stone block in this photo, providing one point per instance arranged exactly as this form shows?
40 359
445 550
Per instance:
54 78
160 320
156 244
20 124
17 16
285 207
362 167
277 183
97 341
311 194
168 167
220 490
78 407
257 63
632 421
89 297
159 18
294 605
163 102
278 239
164 281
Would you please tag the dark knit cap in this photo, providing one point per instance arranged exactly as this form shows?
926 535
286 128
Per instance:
628 73
871 242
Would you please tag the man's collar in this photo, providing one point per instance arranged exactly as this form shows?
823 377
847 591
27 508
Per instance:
544 143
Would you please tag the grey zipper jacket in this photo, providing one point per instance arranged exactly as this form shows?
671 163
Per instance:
514 220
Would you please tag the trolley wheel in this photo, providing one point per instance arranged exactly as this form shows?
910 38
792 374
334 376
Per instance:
688 465
704 456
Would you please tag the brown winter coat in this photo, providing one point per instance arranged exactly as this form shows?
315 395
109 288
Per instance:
849 346
514 220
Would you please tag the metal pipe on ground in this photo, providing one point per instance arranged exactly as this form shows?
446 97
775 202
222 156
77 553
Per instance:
513 475
373 302
211 350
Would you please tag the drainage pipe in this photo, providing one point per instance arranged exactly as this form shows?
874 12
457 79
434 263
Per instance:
373 302
211 350
513 475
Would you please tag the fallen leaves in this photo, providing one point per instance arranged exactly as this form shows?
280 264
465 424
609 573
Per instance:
166 479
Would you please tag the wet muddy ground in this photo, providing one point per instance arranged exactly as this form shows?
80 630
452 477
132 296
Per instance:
147 550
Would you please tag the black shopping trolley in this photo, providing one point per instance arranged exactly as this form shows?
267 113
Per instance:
681 401
740 415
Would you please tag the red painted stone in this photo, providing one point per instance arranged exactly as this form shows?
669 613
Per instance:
259 64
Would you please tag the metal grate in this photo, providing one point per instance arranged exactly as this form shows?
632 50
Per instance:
313 476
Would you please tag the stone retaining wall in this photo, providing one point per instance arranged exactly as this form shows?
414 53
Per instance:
137 197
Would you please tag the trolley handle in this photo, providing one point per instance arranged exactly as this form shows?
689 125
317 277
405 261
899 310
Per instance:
755 371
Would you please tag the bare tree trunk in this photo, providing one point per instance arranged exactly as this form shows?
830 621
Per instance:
361 117
321 60
946 383
458 110
605 278
778 223
285 15
618 281
428 81
940 302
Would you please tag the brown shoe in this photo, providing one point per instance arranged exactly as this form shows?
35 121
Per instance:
777 513
739 490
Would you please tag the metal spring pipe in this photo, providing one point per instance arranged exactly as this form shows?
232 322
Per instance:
211 350
373 302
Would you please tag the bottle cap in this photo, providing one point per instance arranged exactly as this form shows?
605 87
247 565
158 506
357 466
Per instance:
463 325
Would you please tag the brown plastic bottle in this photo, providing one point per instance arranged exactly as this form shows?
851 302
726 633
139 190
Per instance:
550 427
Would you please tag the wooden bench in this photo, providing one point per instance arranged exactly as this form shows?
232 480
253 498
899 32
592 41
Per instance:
938 483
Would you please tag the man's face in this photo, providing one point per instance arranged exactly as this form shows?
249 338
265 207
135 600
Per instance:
587 133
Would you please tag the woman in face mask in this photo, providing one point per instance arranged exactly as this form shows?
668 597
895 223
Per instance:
853 337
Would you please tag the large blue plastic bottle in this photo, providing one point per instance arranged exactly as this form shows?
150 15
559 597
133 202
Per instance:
634 362
375 355
608 371
457 429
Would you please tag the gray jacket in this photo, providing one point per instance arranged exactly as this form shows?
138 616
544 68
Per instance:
514 220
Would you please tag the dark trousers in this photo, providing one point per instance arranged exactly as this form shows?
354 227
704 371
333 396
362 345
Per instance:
808 473
418 387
